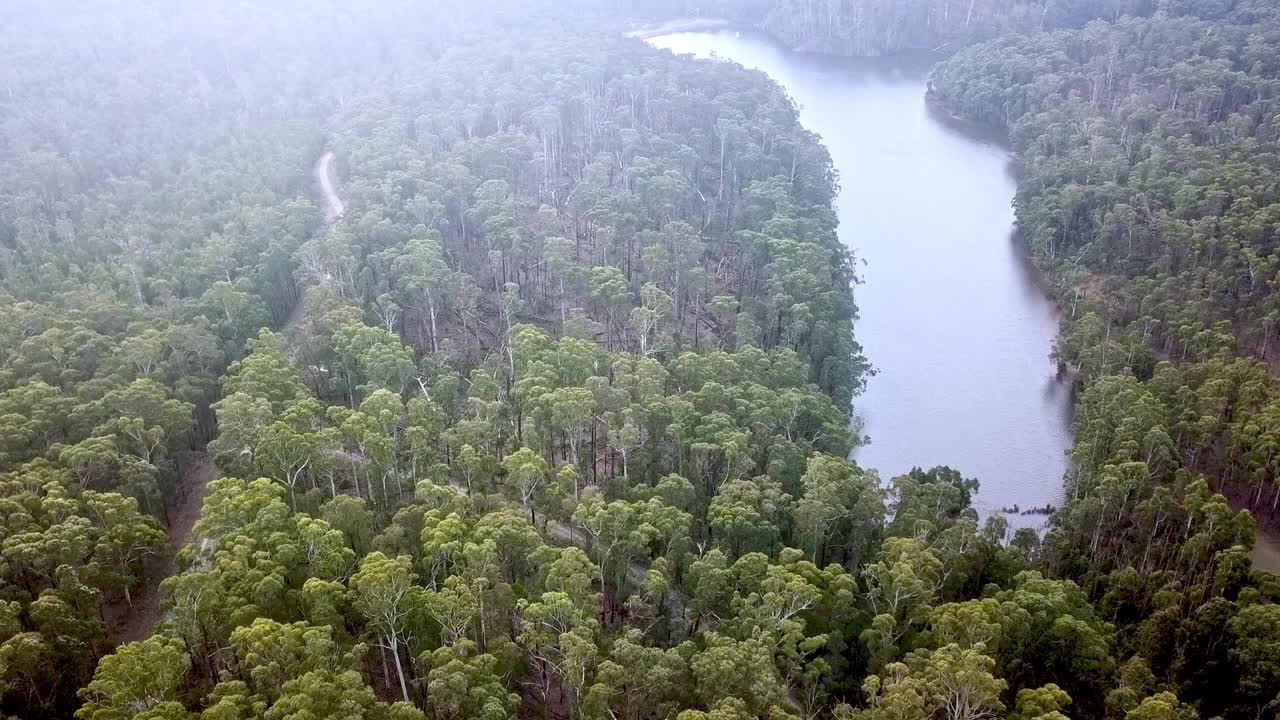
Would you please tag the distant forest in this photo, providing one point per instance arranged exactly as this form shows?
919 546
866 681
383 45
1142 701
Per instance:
881 27
543 408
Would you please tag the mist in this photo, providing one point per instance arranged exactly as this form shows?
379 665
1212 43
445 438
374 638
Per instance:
862 360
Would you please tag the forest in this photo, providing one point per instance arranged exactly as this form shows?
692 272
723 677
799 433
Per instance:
1148 149
455 360
863 28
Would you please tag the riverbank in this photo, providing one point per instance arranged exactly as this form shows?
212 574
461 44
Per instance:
679 25
914 187
1059 289
878 101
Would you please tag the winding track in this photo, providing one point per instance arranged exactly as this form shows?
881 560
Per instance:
140 621
1266 552
131 624
561 533
326 179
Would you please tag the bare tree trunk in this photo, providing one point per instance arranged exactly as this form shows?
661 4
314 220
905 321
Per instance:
431 310
395 655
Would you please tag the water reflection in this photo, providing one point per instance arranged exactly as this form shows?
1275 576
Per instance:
951 314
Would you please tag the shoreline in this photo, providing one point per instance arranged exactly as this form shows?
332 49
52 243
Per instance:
679 25
913 68
1266 549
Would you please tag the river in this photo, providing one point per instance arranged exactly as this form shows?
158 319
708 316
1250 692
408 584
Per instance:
950 312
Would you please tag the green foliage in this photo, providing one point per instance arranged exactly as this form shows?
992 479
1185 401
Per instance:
137 679
951 682
554 417
883 27
1147 196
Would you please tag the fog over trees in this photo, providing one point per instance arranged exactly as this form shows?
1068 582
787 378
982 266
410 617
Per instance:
476 360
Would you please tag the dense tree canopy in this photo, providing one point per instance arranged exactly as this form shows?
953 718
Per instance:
551 415
1148 147
884 27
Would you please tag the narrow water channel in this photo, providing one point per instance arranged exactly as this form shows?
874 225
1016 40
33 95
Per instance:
951 315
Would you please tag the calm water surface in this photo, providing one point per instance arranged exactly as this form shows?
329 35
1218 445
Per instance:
951 316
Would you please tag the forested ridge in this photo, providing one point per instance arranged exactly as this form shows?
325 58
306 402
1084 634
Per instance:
1149 150
862 28
552 421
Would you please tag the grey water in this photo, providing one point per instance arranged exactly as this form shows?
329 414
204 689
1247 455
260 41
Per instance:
951 315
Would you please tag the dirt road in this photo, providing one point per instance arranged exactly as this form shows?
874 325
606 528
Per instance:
327 180
1266 552
140 621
